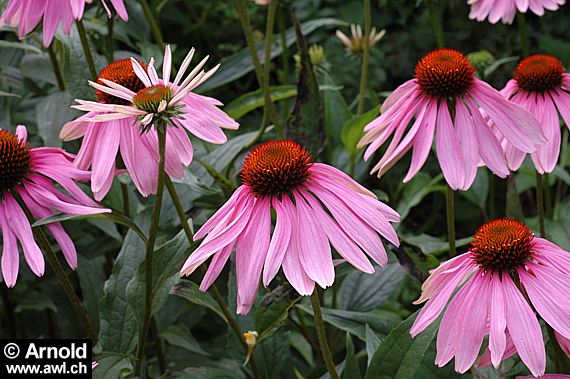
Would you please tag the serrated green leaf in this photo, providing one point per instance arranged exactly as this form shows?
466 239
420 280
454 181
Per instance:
399 356
190 291
355 322
351 368
362 292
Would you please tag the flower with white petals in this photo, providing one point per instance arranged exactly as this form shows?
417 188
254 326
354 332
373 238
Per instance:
355 42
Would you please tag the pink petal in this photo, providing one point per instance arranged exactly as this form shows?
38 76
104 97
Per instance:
280 239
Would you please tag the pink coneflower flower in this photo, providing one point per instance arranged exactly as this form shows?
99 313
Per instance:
504 260
547 376
127 93
27 14
31 173
355 42
505 10
445 85
540 85
279 175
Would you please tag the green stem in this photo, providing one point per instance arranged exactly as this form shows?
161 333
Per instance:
86 49
153 23
321 334
56 68
214 289
110 43
450 207
365 55
540 204
521 23
159 350
259 71
285 54
562 164
436 24
59 272
155 220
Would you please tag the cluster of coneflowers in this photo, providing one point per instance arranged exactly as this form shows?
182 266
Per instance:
505 279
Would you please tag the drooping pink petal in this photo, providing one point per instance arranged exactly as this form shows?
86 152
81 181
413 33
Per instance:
280 239
497 322
10 256
314 248
524 328
448 150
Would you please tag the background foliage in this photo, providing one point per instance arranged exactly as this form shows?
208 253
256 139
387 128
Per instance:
367 316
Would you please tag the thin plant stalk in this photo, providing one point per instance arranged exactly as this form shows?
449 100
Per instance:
64 281
321 334
86 49
213 289
540 204
521 23
153 23
56 68
110 42
365 56
264 84
562 164
436 24
450 208
155 220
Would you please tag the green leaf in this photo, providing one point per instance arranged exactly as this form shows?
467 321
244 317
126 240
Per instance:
479 191
432 245
8 94
372 343
113 367
252 100
305 124
35 301
498 63
20 45
91 278
355 322
166 263
399 356
116 217
353 129
268 318
51 113
240 64
190 291
351 368
206 373
119 328
272 354
336 111
180 336
363 292
416 189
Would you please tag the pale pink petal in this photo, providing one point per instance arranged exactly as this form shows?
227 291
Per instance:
448 149
10 256
280 239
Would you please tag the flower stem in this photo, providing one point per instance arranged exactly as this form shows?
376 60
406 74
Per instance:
365 55
320 326
59 272
540 204
562 164
450 206
110 44
259 71
521 23
153 23
155 219
56 68
214 289
86 49
436 24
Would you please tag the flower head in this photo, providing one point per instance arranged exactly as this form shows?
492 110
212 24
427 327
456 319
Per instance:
27 14
30 173
316 206
355 42
503 277
445 85
505 10
130 96
541 85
